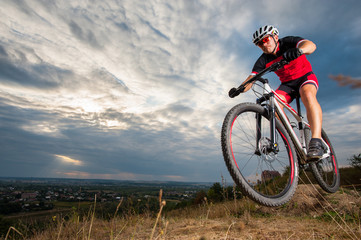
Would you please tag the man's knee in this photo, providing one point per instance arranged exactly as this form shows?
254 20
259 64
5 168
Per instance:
308 93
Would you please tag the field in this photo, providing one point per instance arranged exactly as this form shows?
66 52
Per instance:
151 214
311 214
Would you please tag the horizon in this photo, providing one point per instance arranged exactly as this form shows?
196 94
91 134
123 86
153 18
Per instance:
93 179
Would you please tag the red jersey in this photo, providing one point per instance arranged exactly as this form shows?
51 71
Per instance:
295 69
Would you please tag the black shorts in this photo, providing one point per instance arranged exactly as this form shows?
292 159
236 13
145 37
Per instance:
290 90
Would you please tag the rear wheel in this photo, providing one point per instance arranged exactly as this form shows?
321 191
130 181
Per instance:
267 175
325 170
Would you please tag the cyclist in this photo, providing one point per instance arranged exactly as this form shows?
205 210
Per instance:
297 78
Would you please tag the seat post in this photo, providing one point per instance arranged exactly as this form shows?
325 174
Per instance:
298 106
300 124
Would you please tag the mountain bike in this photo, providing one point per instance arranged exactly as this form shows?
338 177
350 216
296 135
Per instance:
264 150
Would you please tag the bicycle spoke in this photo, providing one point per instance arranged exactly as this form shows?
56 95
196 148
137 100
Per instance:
261 169
254 163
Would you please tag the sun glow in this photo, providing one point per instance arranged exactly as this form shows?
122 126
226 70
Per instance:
66 159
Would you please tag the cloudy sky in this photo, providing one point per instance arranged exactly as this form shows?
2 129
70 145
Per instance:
137 90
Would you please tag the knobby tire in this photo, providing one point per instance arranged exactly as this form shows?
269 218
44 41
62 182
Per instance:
266 177
326 170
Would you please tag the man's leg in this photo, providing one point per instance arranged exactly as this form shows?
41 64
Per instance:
314 115
284 93
314 112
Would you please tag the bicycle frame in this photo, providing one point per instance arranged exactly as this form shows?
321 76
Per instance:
275 103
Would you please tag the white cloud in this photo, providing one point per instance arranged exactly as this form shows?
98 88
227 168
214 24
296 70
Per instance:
125 68
180 62
343 129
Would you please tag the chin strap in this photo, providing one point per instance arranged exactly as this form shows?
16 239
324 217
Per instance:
276 43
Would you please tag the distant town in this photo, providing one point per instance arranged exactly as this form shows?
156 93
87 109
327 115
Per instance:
31 194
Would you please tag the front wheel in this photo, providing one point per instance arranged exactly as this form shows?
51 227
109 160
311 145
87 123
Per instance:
267 174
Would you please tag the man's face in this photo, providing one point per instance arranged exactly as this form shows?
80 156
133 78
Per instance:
267 44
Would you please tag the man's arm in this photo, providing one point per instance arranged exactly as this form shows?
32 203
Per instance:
307 47
303 47
249 85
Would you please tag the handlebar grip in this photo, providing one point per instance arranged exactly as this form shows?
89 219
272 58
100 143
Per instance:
234 92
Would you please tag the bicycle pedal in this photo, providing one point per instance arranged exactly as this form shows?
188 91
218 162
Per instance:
325 155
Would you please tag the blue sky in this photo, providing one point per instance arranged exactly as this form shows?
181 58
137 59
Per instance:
137 90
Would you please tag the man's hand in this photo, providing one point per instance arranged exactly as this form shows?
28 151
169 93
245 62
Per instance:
292 54
234 92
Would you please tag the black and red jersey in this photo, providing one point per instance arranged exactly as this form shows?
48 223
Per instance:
294 70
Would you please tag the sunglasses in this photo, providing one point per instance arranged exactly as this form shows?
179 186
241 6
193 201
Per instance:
263 40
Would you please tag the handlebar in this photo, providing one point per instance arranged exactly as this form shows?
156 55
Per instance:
233 92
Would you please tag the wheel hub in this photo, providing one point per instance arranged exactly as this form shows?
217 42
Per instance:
267 151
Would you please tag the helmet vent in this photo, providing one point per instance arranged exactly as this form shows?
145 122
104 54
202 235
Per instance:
263 31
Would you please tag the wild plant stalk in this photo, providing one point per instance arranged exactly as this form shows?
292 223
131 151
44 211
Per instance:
60 229
81 230
247 212
77 221
113 220
161 205
166 227
227 210
354 188
229 228
14 229
224 189
121 230
234 195
208 207
84 222
92 219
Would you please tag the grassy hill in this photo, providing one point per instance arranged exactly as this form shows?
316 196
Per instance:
311 214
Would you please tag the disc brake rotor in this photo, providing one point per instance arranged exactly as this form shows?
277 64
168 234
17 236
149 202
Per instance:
264 146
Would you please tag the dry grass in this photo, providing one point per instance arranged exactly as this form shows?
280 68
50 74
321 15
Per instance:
302 218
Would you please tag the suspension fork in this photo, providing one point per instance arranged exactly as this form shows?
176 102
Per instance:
258 132
272 113
273 145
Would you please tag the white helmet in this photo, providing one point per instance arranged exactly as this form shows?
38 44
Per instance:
263 31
